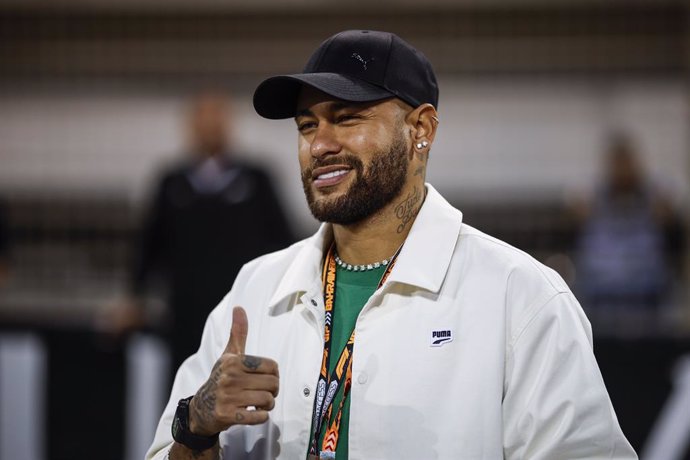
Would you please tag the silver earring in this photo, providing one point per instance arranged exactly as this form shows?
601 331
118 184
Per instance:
419 146
425 144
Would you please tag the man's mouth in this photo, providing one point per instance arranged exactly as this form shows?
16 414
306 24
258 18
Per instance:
329 176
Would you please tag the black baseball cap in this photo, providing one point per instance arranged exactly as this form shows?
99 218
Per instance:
356 66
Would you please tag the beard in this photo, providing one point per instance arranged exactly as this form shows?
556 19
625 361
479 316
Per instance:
371 190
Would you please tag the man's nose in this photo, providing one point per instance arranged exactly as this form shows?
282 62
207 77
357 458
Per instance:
325 141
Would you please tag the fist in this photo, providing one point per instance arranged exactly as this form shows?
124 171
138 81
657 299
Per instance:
241 389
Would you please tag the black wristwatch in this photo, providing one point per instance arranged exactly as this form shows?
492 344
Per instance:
182 434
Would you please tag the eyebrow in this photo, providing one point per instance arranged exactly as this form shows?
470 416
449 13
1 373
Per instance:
304 113
333 106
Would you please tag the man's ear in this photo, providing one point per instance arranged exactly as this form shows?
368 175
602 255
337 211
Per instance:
423 121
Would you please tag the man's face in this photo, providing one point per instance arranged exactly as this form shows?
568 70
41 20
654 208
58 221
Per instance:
209 120
353 156
623 169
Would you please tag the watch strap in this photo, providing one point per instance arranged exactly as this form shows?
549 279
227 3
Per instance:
182 434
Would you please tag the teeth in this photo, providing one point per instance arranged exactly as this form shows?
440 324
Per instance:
332 174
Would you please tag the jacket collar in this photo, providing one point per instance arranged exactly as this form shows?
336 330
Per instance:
428 249
422 262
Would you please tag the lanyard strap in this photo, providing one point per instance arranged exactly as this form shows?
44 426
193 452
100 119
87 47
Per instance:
328 386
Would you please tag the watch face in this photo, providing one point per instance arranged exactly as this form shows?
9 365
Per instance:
175 427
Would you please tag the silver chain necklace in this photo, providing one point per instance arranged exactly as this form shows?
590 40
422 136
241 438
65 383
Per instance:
360 268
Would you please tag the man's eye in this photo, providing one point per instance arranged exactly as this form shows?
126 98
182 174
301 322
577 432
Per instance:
306 126
346 118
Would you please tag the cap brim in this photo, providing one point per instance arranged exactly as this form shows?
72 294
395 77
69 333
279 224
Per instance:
276 97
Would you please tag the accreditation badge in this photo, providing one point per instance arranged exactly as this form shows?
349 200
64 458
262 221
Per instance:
323 455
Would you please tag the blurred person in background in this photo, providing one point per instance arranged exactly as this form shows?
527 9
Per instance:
210 214
629 246
4 246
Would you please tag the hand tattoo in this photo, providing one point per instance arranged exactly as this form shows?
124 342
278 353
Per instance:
205 399
408 209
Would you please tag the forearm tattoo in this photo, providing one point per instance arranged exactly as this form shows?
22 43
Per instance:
408 208
205 454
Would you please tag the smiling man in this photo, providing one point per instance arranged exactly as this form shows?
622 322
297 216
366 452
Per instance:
397 331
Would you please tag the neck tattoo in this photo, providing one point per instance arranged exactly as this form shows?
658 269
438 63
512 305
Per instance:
407 209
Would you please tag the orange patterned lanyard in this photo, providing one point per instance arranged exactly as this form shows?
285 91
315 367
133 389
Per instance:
328 386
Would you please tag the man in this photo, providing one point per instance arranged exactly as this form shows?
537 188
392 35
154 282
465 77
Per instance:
629 240
4 246
211 213
397 331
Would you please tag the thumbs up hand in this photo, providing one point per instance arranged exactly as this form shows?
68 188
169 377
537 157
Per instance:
237 382
238 332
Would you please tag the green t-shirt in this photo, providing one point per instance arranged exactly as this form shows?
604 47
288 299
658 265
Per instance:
352 291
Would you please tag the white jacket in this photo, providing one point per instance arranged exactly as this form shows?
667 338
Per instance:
517 380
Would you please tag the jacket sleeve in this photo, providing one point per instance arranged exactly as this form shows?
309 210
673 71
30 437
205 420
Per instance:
555 403
151 244
192 374
279 232
4 234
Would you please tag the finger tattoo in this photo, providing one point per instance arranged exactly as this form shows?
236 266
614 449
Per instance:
251 362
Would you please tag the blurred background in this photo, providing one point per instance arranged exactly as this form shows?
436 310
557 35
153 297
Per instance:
129 151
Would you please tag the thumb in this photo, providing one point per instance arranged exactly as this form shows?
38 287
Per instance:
238 332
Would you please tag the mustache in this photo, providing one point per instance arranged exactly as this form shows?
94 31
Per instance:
345 159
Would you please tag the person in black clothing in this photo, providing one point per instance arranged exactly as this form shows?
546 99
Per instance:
4 245
210 215
629 241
